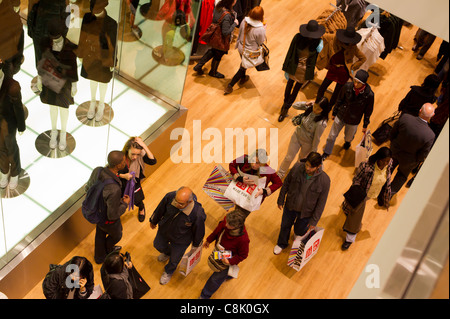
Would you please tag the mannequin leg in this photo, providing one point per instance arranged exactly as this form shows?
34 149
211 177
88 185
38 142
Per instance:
101 105
53 119
91 111
64 116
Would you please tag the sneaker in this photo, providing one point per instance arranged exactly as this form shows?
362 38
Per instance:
346 245
325 156
53 137
4 180
228 90
277 250
346 145
99 114
13 182
62 142
163 257
165 278
91 112
419 57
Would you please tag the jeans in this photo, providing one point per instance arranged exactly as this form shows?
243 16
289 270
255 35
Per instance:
350 131
291 217
175 251
213 283
106 237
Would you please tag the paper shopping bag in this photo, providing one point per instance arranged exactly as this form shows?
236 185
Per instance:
243 195
190 260
363 149
217 184
303 249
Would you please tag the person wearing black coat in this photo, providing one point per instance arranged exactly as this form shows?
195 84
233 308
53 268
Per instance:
419 95
115 277
73 280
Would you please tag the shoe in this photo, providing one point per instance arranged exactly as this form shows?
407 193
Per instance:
415 47
283 113
244 79
228 90
91 112
199 69
277 250
346 245
53 141
62 142
325 156
117 248
4 180
419 57
346 145
165 278
13 182
409 183
136 32
141 217
216 74
163 257
99 114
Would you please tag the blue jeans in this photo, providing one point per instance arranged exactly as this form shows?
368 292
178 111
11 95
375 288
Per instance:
291 217
175 251
213 283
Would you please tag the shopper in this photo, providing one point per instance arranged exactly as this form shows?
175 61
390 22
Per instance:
370 177
181 221
422 42
137 154
300 62
341 57
411 141
224 13
309 128
256 164
72 280
232 236
302 198
253 31
419 95
115 278
109 233
355 103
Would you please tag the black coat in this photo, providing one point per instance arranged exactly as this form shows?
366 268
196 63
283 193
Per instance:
11 108
415 99
292 56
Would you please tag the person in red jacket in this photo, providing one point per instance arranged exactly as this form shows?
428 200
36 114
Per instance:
256 164
229 235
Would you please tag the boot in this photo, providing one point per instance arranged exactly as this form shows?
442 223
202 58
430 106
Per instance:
4 180
91 112
283 113
100 110
53 137
199 67
62 141
213 72
14 182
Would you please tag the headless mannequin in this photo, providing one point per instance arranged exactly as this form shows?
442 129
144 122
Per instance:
64 112
14 180
102 87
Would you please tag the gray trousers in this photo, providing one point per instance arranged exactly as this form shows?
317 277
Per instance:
294 146
338 124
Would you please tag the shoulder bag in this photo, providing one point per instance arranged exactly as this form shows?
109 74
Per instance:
214 264
213 35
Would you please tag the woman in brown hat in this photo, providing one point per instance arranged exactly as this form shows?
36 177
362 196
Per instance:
300 62
338 57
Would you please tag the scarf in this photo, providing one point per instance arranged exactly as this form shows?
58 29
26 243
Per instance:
359 91
129 190
137 164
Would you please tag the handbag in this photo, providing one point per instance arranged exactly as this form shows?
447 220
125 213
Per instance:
251 58
265 65
214 264
213 35
140 287
383 132
363 149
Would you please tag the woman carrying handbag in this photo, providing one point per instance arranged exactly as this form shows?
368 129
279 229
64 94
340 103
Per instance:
252 34
224 17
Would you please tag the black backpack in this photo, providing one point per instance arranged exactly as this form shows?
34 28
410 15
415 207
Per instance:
93 206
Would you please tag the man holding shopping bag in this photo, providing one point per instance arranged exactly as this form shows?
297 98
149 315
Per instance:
302 197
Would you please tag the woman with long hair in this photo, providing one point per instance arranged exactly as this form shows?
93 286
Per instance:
224 13
368 183
252 29
310 126
137 154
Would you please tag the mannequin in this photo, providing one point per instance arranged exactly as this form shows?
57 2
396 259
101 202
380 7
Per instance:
61 49
96 50
133 4
12 119
12 35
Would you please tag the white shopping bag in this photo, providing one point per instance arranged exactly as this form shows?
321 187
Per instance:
243 195
302 252
190 260
363 149
96 293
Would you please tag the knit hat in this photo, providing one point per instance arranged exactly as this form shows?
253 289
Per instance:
362 76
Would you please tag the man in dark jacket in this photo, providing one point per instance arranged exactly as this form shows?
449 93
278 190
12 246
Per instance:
303 197
109 233
181 221
354 103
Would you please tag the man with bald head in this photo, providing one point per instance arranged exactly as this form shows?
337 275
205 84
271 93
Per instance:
411 141
181 221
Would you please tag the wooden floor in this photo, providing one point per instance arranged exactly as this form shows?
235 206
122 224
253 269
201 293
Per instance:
332 272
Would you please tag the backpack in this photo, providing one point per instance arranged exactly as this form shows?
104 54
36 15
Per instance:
93 206
47 287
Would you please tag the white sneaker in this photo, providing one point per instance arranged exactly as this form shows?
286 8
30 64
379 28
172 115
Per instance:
53 141
165 278
91 112
13 182
163 257
277 250
62 142
99 115
4 180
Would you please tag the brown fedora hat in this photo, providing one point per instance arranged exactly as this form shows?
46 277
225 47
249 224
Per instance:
348 36
312 30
